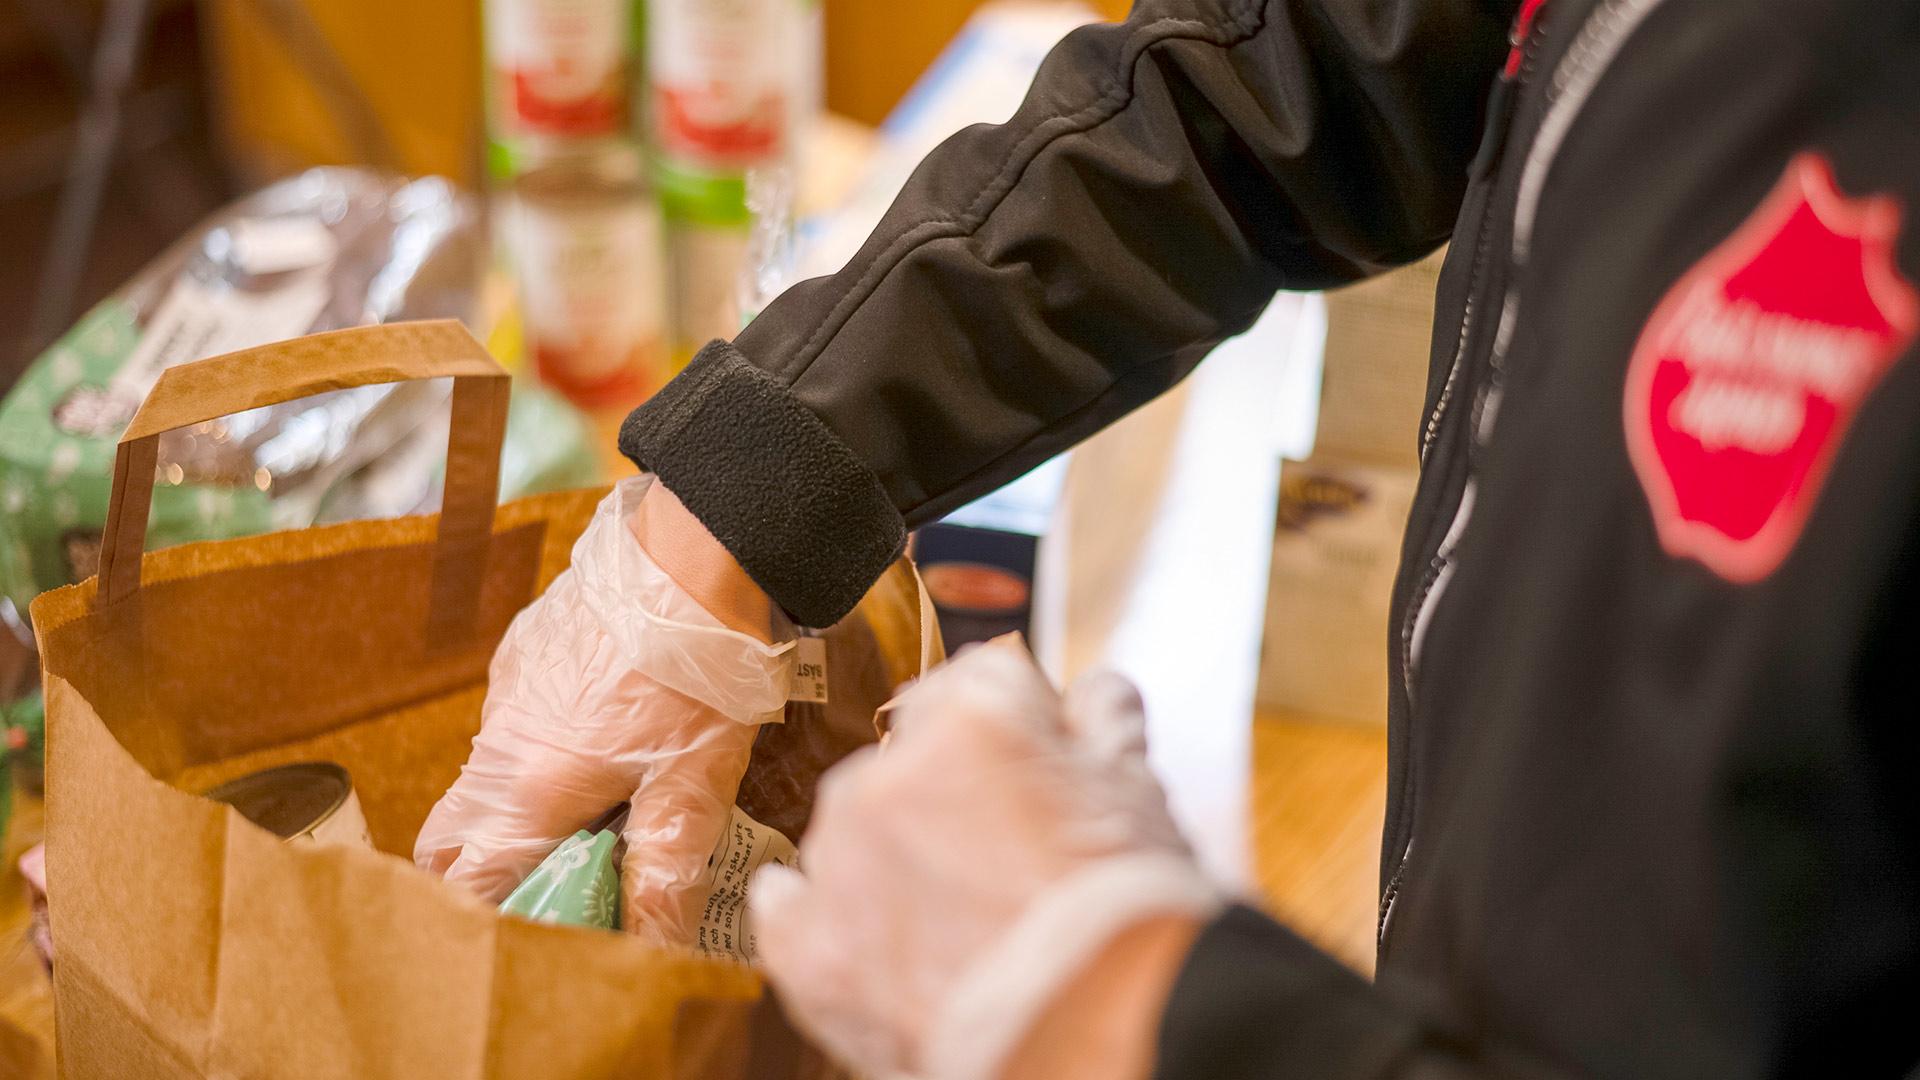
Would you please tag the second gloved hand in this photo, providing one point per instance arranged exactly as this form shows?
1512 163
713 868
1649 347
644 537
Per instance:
615 685
958 877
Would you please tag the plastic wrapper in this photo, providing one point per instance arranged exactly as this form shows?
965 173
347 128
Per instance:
577 885
327 249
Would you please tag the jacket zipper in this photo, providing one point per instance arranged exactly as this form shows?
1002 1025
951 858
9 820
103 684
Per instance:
1600 39
1525 40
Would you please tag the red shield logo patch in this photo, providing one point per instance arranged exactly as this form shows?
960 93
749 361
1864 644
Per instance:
1744 383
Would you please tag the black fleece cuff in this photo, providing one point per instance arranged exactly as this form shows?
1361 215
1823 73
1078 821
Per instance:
805 517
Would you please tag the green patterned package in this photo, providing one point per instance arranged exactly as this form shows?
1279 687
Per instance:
56 466
577 885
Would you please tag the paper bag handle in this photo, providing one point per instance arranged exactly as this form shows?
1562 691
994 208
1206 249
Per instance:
270 374
931 646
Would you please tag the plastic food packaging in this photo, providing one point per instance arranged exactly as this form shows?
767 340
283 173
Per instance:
327 249
577 885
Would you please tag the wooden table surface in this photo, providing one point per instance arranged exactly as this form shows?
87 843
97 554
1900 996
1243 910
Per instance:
1317 801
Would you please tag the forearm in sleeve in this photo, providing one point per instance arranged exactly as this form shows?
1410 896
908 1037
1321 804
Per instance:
1037 279
1255 1002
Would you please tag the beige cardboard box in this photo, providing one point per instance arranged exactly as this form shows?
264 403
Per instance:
1335 549
1375 375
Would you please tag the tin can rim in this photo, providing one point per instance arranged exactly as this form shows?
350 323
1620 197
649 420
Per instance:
234 791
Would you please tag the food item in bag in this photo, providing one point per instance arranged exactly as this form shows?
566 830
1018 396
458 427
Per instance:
577 885
310 802
745 847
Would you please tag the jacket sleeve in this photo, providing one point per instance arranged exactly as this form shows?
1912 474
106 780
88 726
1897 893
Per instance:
1255 1002
1037 279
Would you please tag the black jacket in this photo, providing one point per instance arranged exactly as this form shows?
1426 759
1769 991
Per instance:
1657 705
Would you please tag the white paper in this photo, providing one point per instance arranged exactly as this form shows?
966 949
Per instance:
746 846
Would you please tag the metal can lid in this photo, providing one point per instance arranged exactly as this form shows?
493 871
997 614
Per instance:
287 800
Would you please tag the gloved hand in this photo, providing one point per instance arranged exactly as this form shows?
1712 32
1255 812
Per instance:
614 685
954 879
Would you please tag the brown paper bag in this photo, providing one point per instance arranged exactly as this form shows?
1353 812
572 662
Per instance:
191 943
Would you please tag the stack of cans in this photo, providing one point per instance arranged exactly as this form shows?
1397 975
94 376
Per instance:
622 136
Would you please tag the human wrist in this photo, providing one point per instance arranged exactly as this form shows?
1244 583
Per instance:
996 996
1103 1024
685 551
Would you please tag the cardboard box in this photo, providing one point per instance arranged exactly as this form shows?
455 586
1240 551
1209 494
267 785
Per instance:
1336 547
1373 386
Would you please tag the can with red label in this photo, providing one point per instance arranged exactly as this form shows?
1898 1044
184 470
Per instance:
584 240
558 70
730 80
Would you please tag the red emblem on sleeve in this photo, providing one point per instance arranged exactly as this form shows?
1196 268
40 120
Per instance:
1744 383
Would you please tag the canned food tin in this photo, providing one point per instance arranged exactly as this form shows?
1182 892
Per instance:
310 802
559 68
584 238
727 78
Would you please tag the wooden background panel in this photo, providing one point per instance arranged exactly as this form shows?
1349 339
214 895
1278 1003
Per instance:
877 48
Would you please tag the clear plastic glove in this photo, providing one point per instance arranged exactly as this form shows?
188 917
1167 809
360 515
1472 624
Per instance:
614 685
956 878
